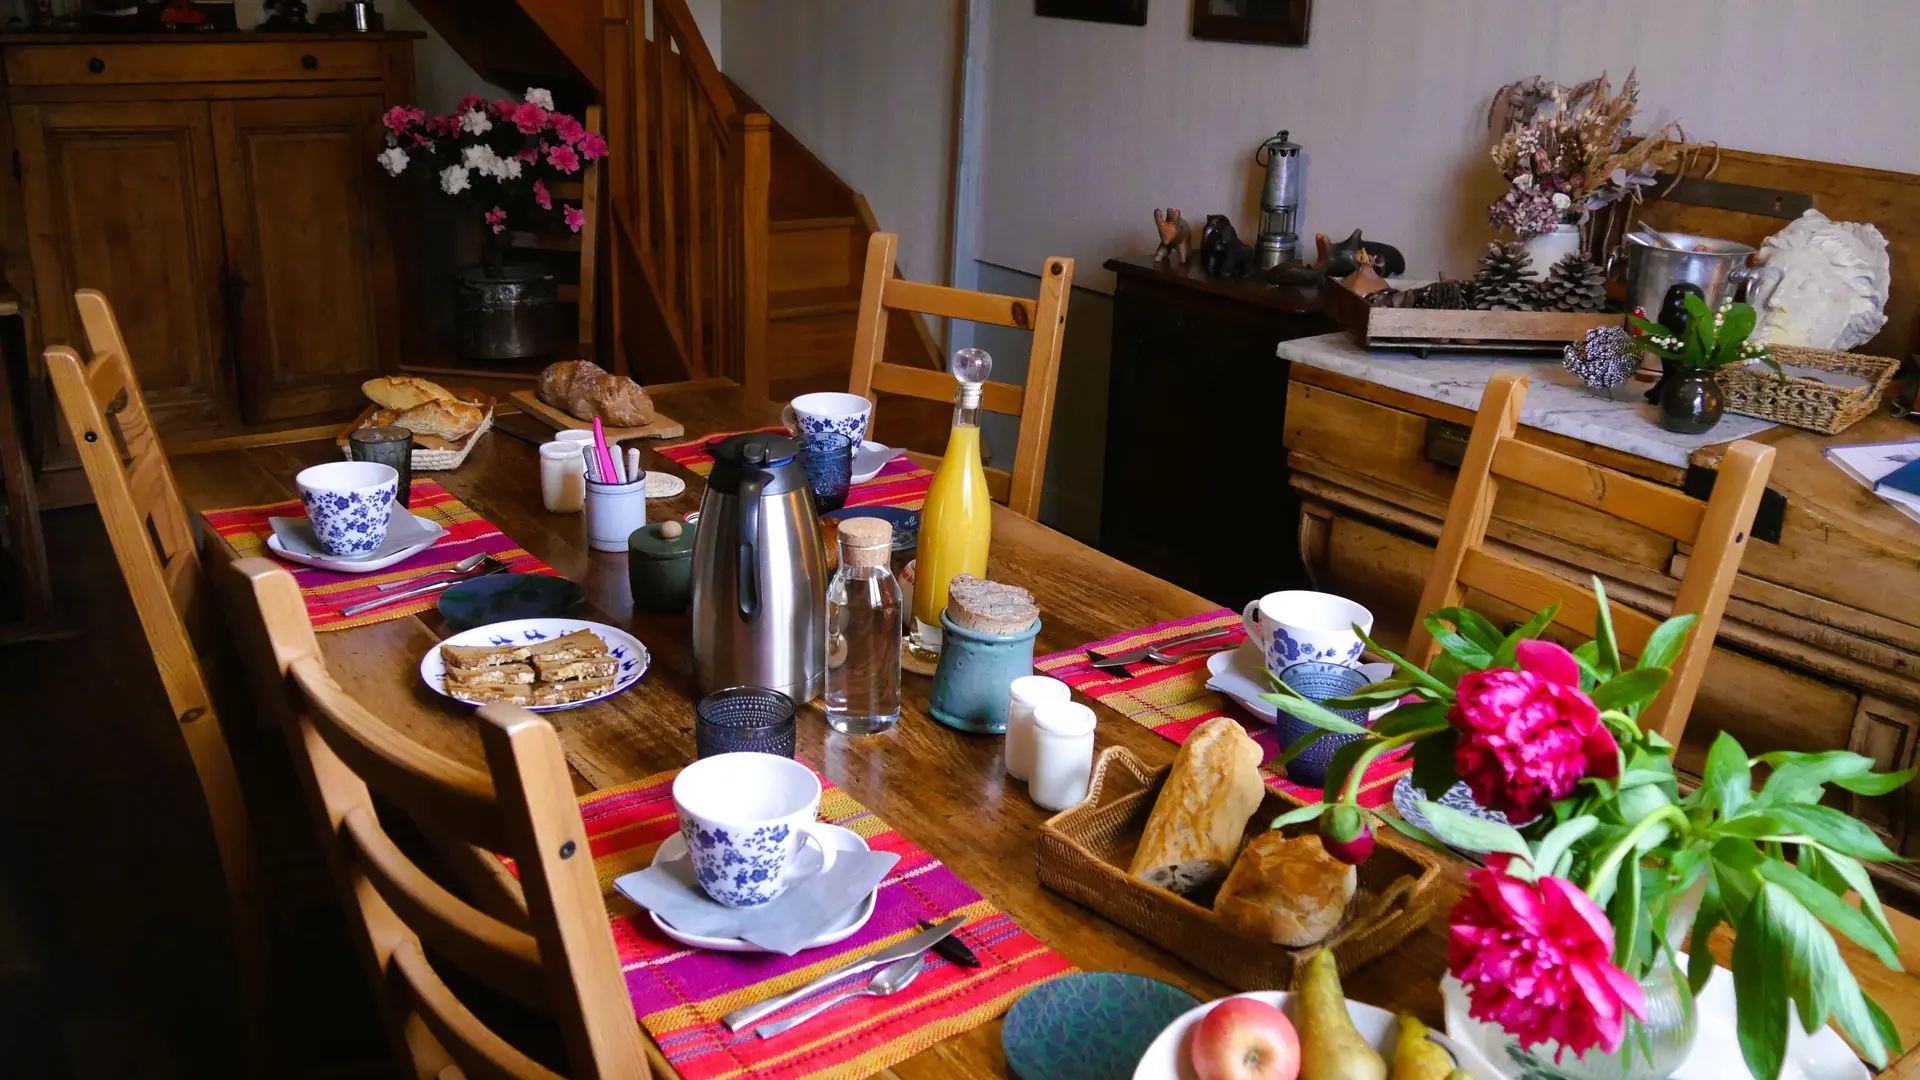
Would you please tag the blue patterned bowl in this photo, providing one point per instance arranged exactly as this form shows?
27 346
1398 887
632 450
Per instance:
1317 682
348 504
1092 1026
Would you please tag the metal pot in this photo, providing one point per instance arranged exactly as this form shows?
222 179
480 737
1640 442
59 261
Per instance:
1719 269
505 312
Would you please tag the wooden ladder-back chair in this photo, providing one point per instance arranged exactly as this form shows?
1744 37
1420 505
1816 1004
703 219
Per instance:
1716 528
555 950
153 541
881 292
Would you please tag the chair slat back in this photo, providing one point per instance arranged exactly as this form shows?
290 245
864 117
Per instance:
881 293
522 806
1716 528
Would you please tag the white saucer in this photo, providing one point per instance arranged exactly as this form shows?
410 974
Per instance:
1166 1058
675 847
406 538
866 461
623 646
1241 674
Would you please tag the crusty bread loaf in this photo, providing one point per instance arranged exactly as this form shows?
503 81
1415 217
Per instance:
403 392
1288 892
1201 814
990 607
584 390
449 419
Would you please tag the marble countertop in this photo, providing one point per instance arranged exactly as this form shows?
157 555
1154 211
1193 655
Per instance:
1556 400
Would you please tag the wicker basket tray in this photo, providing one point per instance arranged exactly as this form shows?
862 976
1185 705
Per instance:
1754 390
1084 854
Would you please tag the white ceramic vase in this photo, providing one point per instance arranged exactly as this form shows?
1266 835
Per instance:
1550 247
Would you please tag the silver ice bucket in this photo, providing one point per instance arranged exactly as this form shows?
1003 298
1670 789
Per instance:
505 312
1719 268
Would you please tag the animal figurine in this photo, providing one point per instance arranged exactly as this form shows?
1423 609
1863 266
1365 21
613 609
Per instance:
1173 237
1222 252
1365 279
1338 259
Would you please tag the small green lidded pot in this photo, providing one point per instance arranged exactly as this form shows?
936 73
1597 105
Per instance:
660 565
971 682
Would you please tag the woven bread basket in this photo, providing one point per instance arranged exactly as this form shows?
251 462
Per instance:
1084 852
440 454
1754 390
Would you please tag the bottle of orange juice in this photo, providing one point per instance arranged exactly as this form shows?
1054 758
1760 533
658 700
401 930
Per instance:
956 524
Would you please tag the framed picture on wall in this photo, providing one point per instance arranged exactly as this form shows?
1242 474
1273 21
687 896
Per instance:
1263 22
1127 12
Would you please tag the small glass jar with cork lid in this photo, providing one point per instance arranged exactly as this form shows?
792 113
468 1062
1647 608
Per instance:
863 631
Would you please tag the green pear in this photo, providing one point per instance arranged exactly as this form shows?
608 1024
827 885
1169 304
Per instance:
1330 1047
1416 1057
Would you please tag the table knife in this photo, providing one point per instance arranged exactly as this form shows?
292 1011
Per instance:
394 598
916 944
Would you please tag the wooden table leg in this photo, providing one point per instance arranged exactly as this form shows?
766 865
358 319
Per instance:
29 545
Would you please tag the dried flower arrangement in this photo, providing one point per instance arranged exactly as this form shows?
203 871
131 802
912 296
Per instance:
1562 151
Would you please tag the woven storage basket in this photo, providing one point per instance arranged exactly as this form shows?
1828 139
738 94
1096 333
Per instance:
1754 390
1084 854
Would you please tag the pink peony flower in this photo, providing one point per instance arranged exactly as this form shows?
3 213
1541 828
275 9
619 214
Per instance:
1528 736
503 108
574 217
420 140
541 195
497 218
530 155
593 146
1536 959
401 117
471 101
563 158
529 118
568 128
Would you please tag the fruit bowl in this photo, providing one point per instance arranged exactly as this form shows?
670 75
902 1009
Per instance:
1167 1058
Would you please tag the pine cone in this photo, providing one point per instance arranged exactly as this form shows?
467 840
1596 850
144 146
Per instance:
1502 284
1575 283
1442 296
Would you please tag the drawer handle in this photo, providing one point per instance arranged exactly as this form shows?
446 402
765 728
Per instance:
309 61
96 65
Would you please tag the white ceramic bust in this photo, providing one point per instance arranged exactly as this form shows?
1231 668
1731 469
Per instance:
1821 283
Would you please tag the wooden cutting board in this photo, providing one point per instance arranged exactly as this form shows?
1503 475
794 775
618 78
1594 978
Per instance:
663 427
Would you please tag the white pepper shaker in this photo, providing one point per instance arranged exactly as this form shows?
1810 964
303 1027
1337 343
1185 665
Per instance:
1025 693
1062 754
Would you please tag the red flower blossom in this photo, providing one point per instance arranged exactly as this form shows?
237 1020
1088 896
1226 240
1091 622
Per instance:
574 217
567 128
529 118
497 218
471 101
1528 736
529 155
541 195
1536 959
420 140
401 117
563 158
593 146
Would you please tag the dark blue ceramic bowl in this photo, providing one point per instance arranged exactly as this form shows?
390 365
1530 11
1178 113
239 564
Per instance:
499 597
1092 1026
1317 682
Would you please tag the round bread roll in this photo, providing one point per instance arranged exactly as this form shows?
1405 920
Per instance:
1286 891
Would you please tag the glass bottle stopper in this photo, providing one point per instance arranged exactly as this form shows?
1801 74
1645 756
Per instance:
971 367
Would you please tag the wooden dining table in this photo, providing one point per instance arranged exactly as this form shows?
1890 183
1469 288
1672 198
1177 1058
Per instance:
942 789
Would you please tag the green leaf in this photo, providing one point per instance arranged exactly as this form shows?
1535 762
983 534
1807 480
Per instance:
1425 714
1415 832
1831 910
1448 668
1433 769
1584 657
1418 676
1458 645
1818 981
1294 749
1875 783
1301 709
1630 688
1696 307
1883 1024
1475 834
1342 763
1503 657
1728 779
1608 657
1799 778
1830 828
1624 913
1738 325
1760 994
1700 963
1297 815
1473 624
1380 693
1850 870
1557 846
1666 641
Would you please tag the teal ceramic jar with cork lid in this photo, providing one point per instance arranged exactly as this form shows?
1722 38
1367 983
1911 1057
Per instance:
660 566
988 633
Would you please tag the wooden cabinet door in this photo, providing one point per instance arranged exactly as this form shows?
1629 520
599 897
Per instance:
123 197
307 239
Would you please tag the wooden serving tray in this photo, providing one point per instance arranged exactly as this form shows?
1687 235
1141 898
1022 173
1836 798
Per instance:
1084 853
663 426
431 452
1421 329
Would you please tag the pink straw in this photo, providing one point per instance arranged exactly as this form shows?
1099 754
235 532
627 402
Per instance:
601 454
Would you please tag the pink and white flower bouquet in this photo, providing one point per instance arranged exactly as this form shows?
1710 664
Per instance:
500 155
1571 912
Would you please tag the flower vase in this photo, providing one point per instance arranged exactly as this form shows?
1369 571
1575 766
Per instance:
1549 248
1653 1050
1691 402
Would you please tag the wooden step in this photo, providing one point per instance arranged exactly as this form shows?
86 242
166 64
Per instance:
802 303
814 253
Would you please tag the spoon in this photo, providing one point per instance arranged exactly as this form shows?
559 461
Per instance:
1656 236
892 979
464 566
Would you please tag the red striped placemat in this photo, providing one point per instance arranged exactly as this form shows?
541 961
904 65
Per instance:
245 530
679 994
1173 699
901 482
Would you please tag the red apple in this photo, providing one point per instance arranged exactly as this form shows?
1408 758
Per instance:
1245 1039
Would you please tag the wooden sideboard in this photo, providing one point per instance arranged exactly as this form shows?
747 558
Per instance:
222 191
1820 647
1195 402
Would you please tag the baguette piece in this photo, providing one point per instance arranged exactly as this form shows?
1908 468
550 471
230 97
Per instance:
450 420
1286 891
587 667
480 656
488 676
1201 814
403 392
574 646
518 693
561 693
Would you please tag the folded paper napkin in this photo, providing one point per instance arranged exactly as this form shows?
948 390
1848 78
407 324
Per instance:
403 531
785 925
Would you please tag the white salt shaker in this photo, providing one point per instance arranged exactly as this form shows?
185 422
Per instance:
563 477
1026 692
1062 754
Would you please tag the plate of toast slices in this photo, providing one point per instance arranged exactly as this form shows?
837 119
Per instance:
538 664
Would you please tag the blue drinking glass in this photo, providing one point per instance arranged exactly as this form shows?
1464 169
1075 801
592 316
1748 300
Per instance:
827 458
743 718
1317 682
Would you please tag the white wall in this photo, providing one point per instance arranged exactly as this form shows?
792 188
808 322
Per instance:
1090 126
868 86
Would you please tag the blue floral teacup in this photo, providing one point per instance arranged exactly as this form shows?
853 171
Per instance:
745 817
348 504
829 413
1302 627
